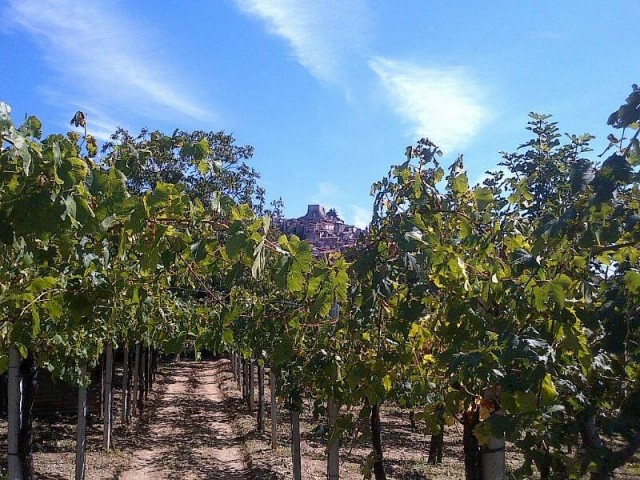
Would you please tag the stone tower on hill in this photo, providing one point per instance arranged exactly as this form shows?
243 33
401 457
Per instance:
326 231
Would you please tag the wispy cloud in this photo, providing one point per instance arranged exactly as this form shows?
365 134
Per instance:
327 38
322 34
327 194
361 217
444 104
102 55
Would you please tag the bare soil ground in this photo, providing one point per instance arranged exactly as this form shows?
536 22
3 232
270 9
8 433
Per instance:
405 449
190 435
195 426
186 432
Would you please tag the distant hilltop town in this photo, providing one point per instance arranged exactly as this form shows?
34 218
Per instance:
326 231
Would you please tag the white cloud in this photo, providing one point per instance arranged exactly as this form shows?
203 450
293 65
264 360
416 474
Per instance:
361 217
326 193
102 55
443 104
321 34
101 129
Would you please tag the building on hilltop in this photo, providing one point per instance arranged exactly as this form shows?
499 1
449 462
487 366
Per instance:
326 231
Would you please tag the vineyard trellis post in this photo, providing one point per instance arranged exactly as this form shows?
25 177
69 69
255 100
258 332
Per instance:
333 447
149 371
142 377
102 371
492 453
274 409
251 386
238 370
244 380
295 444
81 434
236 367
136 380
376 439
29 377
13 415
154 364
232 359
108 397
260 398
333 408
124 413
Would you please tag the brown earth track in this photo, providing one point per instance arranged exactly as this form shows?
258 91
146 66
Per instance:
190 434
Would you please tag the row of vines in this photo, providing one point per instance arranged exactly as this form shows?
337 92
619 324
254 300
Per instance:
511 307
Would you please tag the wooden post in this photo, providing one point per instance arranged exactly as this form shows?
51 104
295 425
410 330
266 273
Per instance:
124 413
136 380
234 369
14 387
81 433
492 453
274 409
242 384
154 365
260 398
333 446
251 399
333 408
143 375
238 362
102 367
295 445
108 397
376 439
145 372
149 371
29 378
245 380
233 364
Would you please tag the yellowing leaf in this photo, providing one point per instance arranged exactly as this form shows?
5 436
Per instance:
203 167
549 392
386 382
428 358
415 330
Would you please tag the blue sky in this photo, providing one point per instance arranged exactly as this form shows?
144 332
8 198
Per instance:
329 92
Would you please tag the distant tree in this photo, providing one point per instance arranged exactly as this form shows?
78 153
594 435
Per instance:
152 157
332 213
276 209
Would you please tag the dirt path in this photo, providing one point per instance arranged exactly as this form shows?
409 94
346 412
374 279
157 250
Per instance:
189 436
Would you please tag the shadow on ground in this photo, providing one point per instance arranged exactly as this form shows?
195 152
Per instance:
188 429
